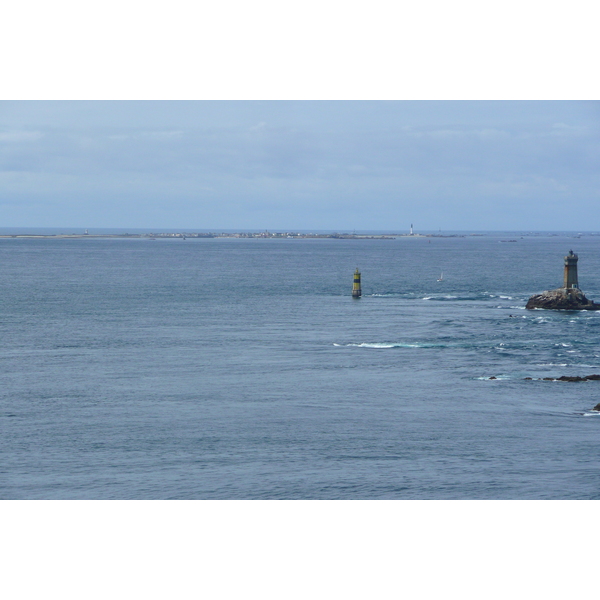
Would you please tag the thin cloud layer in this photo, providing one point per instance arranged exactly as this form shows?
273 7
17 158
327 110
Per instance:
300 165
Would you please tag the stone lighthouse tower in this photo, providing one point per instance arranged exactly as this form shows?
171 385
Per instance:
571 271
568 297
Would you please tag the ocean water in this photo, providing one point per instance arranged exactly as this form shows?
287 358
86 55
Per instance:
243 369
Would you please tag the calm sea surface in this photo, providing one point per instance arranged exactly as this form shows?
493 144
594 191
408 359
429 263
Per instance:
243 369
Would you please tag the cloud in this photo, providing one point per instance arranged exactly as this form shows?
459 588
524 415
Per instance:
493 134
162 135
20 136
445 133
564 129
311 159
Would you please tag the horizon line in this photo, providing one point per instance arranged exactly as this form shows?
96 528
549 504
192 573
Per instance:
292 229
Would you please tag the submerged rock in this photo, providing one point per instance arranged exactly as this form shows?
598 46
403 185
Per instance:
562 299
597 407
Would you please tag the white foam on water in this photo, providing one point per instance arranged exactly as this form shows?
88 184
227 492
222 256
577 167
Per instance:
386 345
382 345
371 345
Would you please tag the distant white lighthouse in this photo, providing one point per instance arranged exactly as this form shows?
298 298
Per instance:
411 230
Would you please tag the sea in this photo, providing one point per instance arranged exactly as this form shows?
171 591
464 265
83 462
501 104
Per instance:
224 368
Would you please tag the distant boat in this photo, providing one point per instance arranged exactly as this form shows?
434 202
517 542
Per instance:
441 276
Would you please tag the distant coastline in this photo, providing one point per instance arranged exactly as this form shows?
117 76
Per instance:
55 233
251 235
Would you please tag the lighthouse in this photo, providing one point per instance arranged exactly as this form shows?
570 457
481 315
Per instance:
571 271
568 297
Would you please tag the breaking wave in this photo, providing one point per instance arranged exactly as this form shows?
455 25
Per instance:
392 345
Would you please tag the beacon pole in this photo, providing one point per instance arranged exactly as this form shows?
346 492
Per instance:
356 291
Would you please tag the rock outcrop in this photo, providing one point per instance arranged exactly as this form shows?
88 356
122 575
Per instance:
562 299
594 377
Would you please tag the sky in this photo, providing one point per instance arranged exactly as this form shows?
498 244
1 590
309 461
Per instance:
301 165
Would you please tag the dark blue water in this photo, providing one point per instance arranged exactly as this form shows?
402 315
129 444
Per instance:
242 369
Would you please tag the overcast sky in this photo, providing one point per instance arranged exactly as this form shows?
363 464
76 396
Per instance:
297 165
